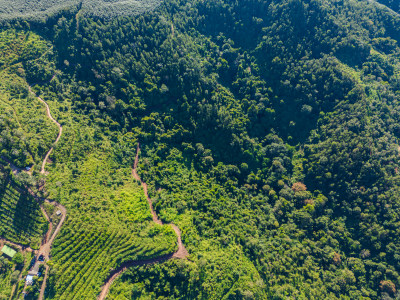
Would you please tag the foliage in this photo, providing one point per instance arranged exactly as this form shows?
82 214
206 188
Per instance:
269 134
21 220
40 10
24 140
10 274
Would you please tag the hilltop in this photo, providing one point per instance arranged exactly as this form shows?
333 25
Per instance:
42 9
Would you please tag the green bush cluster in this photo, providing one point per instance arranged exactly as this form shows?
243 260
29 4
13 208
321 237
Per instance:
269 134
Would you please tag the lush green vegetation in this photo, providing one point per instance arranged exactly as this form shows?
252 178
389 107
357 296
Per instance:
21 220
41 10
112 207
269 133
10 273
112 223
26 133
393 4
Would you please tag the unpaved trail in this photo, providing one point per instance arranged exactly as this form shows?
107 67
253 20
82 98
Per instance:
114 274
144 185
48 240
43 288
42 170
50 225
58 137
45 250
181 253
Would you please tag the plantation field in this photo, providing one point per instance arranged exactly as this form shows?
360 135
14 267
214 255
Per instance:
11 9
111 224
84 255
109 221
21 220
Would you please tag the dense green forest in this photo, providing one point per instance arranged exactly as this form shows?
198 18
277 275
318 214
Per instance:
392 4
43 9
269 134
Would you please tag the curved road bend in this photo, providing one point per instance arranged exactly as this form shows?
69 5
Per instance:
182 253
57 139
48 241
55 122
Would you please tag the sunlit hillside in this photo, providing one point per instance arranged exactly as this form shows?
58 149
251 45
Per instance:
39 9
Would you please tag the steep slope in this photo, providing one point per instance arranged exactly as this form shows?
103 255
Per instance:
392 4
269 134
41 10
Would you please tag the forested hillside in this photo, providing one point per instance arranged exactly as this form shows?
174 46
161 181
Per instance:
392 4
43 9
269 135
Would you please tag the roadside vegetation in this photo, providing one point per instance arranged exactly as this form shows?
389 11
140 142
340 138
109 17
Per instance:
269 135
112 208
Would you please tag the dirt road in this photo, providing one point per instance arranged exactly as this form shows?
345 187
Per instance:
58 137
47 242
182 253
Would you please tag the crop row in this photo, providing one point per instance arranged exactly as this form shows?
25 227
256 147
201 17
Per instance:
20 217
85 255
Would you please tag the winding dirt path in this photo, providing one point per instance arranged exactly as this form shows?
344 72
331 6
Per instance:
181 253
48 240
59 132
46 247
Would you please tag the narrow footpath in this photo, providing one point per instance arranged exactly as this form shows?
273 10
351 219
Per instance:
48 239
60 130
45 248
181 253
